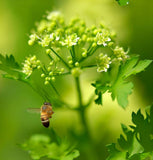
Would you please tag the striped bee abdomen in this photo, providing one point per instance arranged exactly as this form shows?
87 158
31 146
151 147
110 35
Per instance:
45 121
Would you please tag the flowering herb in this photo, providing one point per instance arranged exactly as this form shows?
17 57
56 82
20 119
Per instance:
73 48
80 42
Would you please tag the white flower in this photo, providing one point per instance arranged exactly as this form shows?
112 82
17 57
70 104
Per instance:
103 62
103 37
70 40
120 54
30 64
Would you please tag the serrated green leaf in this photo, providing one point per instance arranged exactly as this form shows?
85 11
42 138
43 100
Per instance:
144 128
135 147
99 99
135 144
117 84
114 153
139 67
146 156
120 88
151 119
72 155
9 61
125 143
123 2
11 68
99 91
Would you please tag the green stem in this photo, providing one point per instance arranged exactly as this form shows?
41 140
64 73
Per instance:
50 57
81 106
72 54
89 66
79 91
44 70
89 53
90 100
60 58
73 50
37 90
89 47
62 74
54 88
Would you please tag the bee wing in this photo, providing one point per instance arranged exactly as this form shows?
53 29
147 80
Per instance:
33 110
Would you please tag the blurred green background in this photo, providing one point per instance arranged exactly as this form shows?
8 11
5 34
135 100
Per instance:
134 27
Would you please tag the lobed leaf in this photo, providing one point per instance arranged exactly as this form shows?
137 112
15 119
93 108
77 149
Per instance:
121 88
99 91
137 143
117 84
11 68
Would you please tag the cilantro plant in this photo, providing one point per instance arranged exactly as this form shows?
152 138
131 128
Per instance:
72 49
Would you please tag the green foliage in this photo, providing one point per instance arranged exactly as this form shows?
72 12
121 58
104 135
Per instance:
11 68
123 2
99 91
137 143
117 84
40 145
121 88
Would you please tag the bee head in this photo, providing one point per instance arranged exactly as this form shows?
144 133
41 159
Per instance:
47 103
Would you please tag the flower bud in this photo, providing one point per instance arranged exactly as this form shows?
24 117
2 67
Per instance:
49 68
30 42
94 44
70 62
53 79
51 73
51 63
46 82
48 51
77 64
84 54
47 78
76 72
62 70
38 67
110 44
42 75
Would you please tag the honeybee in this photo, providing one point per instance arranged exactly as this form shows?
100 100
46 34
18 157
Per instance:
45 111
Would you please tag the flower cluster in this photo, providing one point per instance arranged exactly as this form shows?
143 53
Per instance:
70 40
120 54
103 62
76 39
103 37
30 64
50 72
53 31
